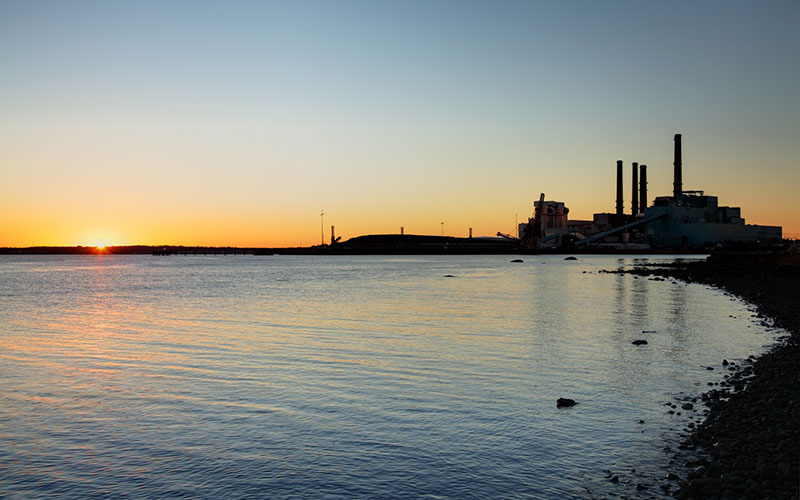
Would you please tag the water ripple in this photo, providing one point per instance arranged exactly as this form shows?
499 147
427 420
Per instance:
368 377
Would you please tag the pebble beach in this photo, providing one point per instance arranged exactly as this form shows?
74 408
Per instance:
748 446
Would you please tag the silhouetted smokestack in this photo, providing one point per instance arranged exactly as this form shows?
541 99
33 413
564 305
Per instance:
642 188
619 192
678 185
635 184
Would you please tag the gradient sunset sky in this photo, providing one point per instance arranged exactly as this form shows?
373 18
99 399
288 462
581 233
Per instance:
236 123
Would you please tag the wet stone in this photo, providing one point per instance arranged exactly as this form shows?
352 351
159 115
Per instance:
565 403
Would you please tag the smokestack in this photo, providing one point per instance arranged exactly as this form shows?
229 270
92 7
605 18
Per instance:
619 193
402 230
634 198
678 185
333 238
470 233
643 188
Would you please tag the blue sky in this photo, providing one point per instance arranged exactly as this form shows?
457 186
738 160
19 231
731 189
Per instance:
259 114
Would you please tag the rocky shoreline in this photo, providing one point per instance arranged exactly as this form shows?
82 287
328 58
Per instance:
748 446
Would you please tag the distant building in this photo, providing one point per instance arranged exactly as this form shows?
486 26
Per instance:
687 218
602 222
554 218
582 227
697 219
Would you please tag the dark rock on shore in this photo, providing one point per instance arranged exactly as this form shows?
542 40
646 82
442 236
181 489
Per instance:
565 402
639 342
749 443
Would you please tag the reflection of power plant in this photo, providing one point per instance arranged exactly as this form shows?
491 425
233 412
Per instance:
685 218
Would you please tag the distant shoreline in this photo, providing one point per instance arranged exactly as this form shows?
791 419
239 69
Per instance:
180 250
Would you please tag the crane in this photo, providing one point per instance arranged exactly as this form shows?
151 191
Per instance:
534 230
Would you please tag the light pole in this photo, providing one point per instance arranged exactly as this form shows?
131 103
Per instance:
322 227
442 228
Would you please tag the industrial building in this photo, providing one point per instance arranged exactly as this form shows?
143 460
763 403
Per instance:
684 219
554 218
687 218
694 218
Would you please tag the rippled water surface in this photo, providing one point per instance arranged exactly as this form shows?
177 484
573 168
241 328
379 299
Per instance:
347 377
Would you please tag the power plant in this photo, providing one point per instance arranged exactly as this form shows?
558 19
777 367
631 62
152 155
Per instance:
684 219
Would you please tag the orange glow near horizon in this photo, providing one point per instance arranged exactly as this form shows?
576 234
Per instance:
119 131
292 227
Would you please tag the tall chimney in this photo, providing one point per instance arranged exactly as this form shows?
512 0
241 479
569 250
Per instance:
678 185
642 188
634 198
619 193
402 230
333 237
470 233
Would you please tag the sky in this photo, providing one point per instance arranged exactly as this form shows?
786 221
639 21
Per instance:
237 123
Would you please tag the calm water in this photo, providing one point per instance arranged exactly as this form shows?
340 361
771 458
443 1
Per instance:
347 377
